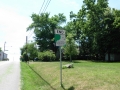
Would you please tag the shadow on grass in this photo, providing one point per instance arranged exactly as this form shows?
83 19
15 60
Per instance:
70 88
76 61
42 78
98 61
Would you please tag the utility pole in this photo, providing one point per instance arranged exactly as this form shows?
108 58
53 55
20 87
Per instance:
26 50
4 50
26 44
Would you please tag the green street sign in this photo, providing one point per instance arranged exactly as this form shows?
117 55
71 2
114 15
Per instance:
57 37
60 37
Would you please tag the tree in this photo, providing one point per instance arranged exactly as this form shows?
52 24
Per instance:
70 48
89 26
31 49
101 27
44 26
112 31
95 15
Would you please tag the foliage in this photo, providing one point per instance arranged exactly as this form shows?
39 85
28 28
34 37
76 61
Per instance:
21 58
46 56
94 14
31 49
44 26
25 57
94 28
70 49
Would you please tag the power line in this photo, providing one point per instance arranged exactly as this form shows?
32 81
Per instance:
41 7
44 9
46 6
29 33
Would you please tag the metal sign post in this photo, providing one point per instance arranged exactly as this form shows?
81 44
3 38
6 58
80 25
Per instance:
60 67
60 41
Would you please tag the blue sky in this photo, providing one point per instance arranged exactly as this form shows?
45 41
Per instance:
15 18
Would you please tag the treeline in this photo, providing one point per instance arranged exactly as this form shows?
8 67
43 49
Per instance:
94 31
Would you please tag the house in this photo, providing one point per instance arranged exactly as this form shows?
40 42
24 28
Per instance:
3 56
113 57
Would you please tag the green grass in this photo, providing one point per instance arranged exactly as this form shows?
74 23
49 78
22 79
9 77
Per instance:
85 75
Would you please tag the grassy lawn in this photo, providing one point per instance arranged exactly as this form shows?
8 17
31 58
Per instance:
85 75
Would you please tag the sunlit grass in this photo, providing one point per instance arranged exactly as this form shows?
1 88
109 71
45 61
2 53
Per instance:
85 75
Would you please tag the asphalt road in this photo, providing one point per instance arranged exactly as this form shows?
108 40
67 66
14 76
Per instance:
9 75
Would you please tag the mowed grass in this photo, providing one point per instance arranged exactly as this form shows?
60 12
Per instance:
85 75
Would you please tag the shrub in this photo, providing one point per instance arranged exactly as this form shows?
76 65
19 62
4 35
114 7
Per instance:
25 57
46 56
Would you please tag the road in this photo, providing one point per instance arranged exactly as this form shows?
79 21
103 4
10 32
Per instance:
9 75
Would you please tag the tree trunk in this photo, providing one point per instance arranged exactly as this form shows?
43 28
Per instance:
108 56
96 56
79 47
70 58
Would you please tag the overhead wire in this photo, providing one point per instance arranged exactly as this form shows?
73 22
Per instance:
30 35
41 11
29 32
41 7
46 6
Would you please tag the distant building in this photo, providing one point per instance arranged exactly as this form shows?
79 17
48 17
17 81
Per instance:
3 56
113 57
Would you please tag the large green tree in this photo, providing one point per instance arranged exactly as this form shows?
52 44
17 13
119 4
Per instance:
88 25
96 26
44 26
111 34
94 15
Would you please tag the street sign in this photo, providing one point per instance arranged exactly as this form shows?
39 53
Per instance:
60 37
60 41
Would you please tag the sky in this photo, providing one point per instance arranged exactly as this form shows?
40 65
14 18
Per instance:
15 18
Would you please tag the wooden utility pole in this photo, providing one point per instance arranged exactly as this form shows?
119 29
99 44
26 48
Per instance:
4 50
26 50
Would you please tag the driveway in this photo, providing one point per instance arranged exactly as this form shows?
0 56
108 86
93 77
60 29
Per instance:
9 75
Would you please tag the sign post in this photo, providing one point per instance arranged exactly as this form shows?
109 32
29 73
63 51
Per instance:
60 67
60 41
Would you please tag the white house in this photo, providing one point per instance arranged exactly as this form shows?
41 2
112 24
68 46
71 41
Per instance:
2 54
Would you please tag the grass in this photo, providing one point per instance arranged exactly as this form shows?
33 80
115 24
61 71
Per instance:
85 75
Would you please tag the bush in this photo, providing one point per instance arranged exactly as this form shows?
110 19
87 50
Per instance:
46 56
24 57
